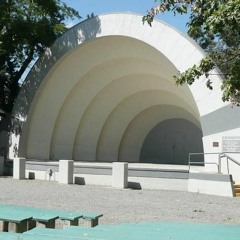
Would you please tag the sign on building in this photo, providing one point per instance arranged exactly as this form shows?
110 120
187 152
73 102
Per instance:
231 144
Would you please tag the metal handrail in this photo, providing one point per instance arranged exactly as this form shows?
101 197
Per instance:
224 154
220 156
211 153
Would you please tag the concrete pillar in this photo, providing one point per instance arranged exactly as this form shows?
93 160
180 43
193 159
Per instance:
65 171
19 168
120 175
1 165
3 226
88 223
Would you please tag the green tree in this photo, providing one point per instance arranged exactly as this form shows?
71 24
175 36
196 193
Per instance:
27 28
215 25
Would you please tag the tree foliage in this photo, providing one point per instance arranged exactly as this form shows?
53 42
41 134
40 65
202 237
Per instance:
215 25
27 27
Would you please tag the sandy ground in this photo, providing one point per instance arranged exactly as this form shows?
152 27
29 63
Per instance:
122 206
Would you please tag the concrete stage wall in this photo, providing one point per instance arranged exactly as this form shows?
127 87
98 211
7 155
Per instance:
136 176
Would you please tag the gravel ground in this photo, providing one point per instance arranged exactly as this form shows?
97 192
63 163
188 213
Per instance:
122 206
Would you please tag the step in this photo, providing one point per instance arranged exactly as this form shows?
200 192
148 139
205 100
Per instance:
237 190
237 194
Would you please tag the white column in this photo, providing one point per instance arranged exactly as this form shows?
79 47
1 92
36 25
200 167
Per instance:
65 171
19 168
120 175
1 165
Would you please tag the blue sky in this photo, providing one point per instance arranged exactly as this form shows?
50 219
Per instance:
98 7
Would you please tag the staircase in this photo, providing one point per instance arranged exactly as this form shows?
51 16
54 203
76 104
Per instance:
236 189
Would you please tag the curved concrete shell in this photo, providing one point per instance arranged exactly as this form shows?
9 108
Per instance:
107 83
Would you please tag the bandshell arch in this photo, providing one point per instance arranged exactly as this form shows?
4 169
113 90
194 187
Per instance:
74 94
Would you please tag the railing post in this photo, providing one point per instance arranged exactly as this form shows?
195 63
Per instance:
219 163
227 165
189 158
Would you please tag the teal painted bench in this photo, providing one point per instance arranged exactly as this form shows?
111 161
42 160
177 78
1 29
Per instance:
71 217
20 219
141 231
39 237
21 236
10 236
46 217
145 231
94 234
91 219
14 222
89 233
78 233
42 220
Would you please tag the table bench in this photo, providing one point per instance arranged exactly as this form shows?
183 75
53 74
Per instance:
91 219
10 236
78 233
14 222
19 219
42 220
43 217
22 236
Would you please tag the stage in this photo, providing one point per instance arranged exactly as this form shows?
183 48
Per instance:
140 175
